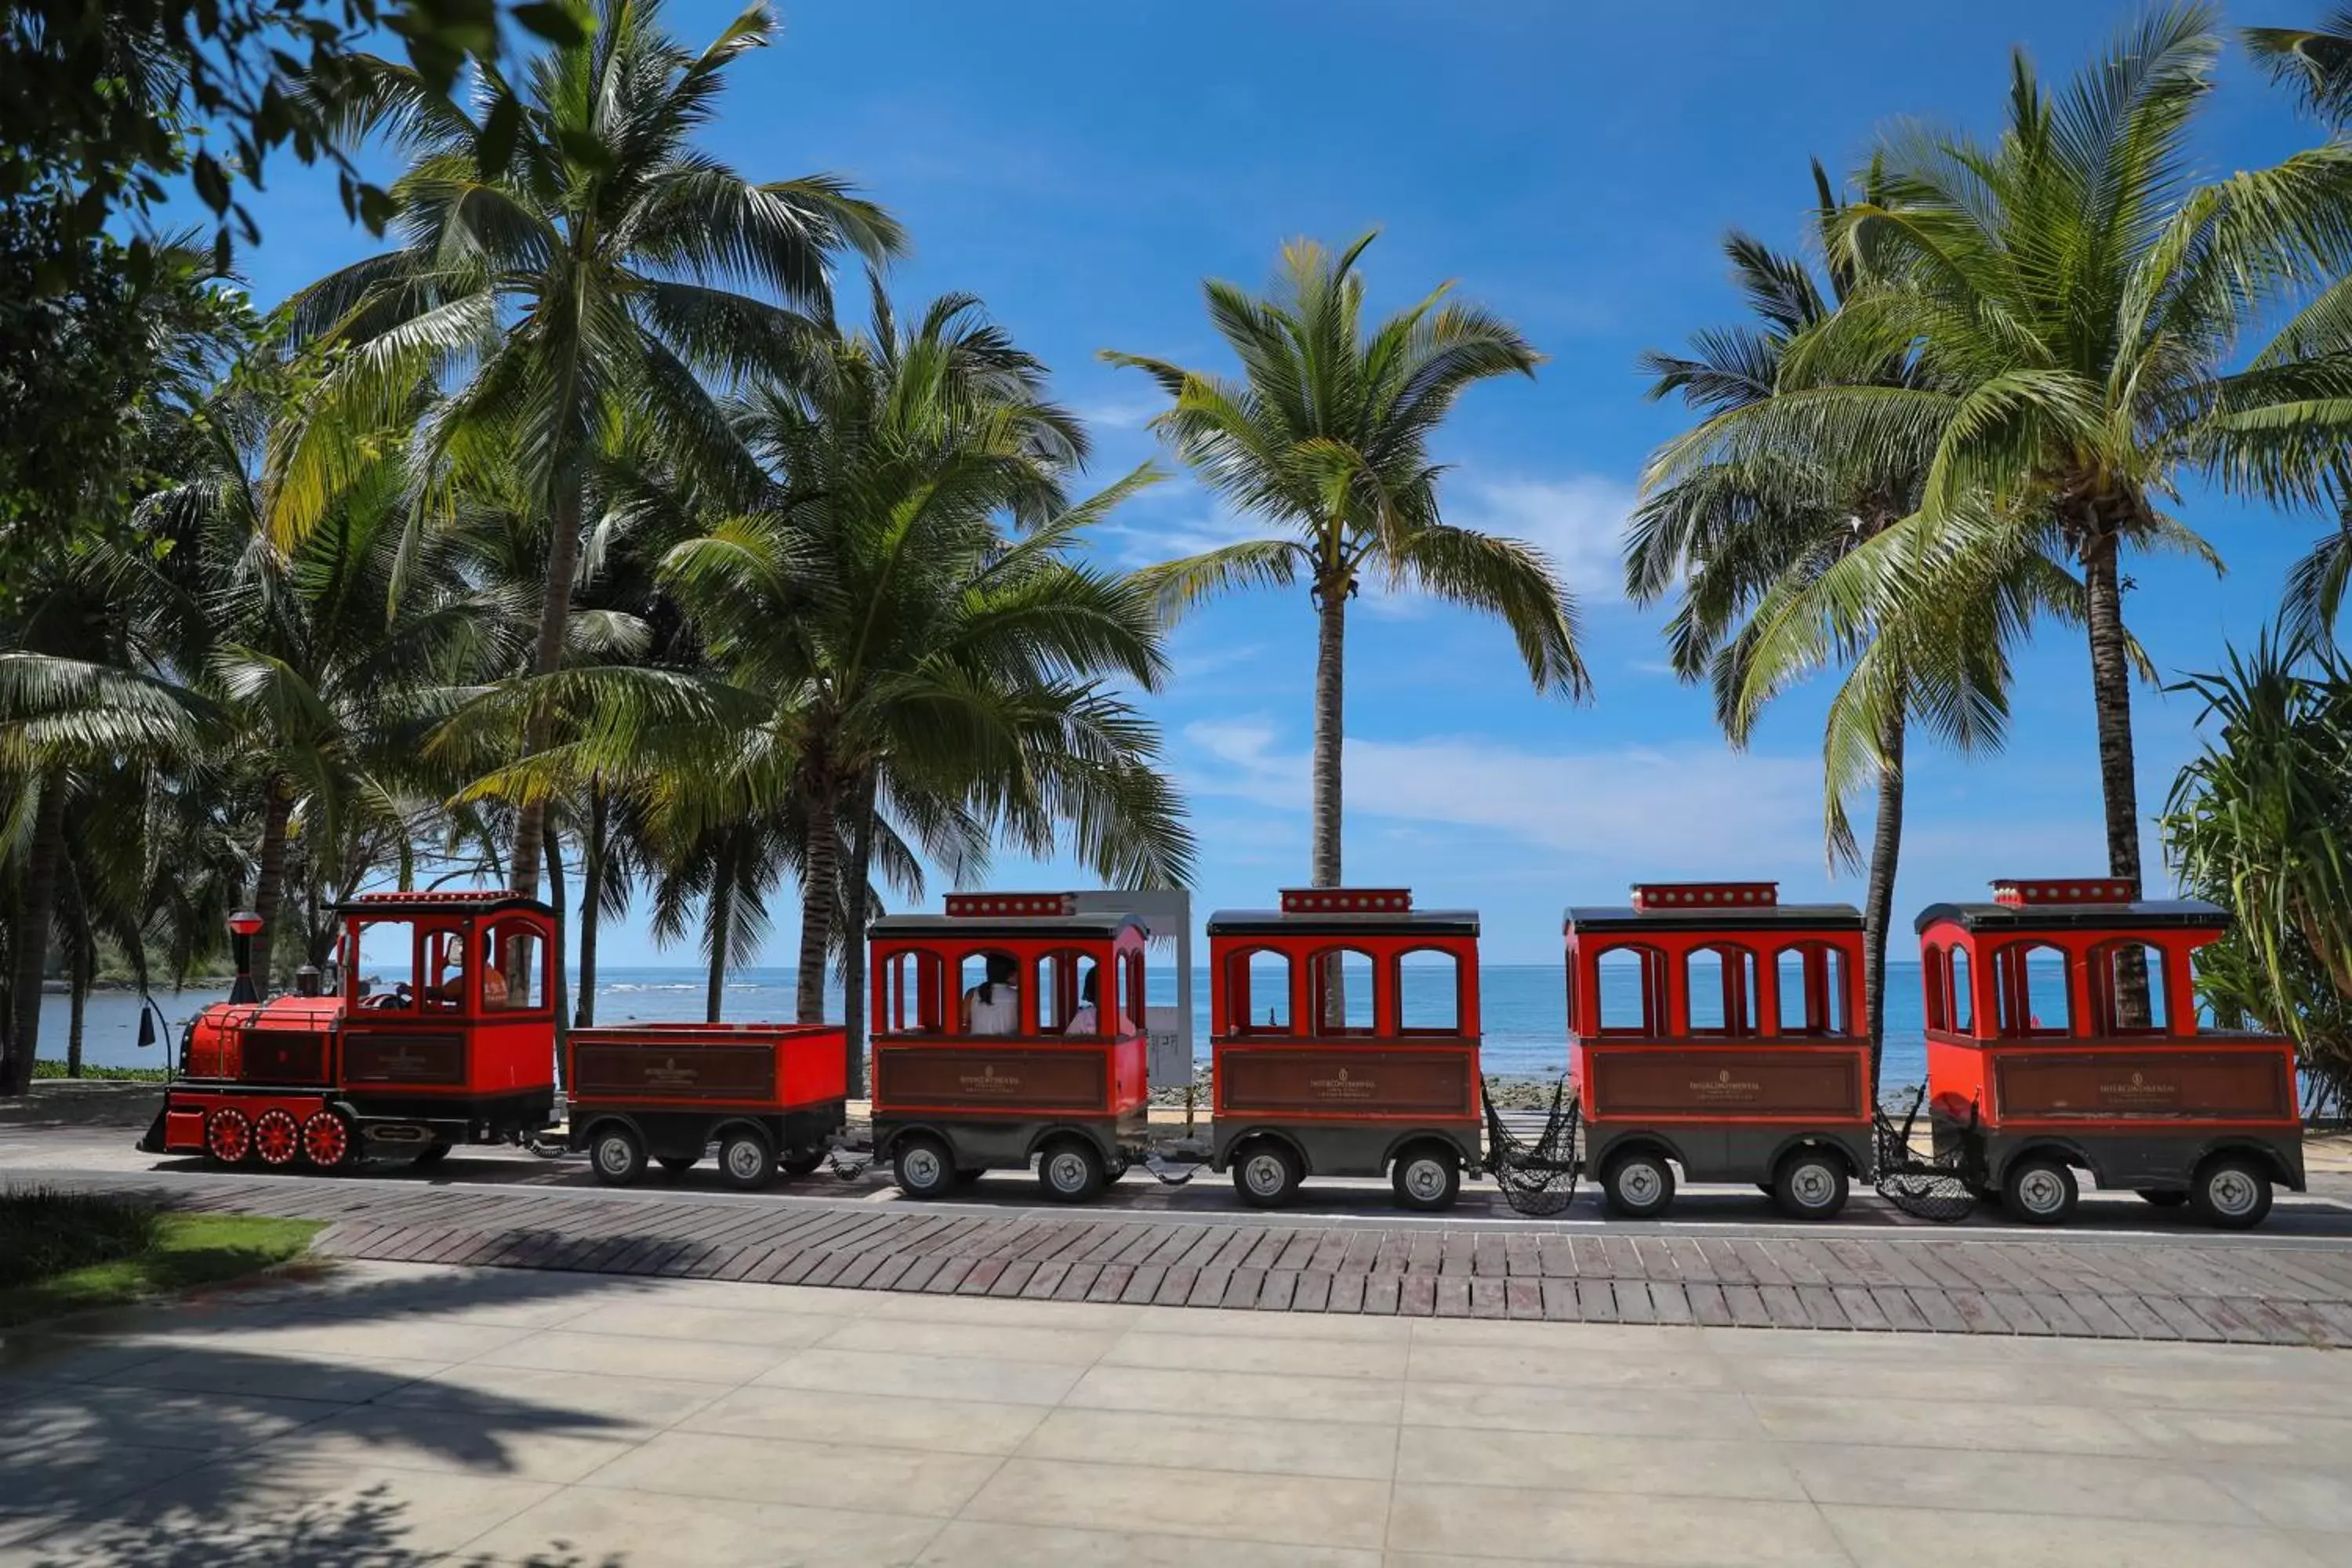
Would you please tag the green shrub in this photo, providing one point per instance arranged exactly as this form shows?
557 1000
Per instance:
45 1232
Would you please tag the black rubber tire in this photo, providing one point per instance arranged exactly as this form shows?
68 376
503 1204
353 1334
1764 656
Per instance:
1427 1178
2230 1193
679 1164
432 1154
923 1166
2163 1197
747 1161
1071 1171
1810 1185
2038 1190
617 1155
1267 1174
803 1164
1637 1184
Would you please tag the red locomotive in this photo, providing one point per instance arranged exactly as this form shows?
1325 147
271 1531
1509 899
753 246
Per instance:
768 1095
1731 1044
1009 1029
1345 1042
2063 1034
460 1050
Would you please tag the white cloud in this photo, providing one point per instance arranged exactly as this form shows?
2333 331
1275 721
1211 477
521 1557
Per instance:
1579 521
1122 413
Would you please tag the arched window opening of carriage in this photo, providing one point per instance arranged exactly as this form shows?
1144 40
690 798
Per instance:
1721 979
441 961
511 958
2030 990
1934 985
1812 979
1340 987
1131 999
1630 991
1959 984
1428 992
2128 989
1257 992
1063 998
914 993
989 991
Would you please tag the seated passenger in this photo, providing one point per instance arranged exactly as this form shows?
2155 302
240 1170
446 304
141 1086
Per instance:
1087 1020
993 1007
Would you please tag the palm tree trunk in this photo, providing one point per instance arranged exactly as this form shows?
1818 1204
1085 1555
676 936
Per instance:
32 936
555 999
547 657
2111 692
721 934
853 960
820 890
269 873
1878 905
1331 647
592 879
80 971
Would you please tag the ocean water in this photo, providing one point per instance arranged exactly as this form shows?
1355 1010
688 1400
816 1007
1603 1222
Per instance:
1524 1008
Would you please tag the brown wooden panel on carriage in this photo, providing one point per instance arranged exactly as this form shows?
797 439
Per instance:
968 1076
372 1058
2170 1084
282 1056
1644 1080
1335 1081
606 1072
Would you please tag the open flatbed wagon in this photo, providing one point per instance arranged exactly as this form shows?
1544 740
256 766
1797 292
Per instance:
2063 1034
1345 1043
1714 1028
768 1095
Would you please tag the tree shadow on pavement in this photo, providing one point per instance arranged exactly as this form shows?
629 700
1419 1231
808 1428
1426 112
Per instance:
370 1531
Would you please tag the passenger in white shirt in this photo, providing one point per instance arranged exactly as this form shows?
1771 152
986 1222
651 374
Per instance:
1086 1020
993 1007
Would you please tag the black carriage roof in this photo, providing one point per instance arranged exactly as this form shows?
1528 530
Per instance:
1766 917
1102 925
457 901
1392 922
2144 914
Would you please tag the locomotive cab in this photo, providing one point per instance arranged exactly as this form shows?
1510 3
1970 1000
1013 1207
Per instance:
2063 1034
1345 1040
1714 1028
1008 1029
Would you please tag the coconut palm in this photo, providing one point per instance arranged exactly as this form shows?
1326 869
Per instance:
2314 63
1326 435
571 263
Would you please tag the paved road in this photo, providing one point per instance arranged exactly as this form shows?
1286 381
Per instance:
2126 1272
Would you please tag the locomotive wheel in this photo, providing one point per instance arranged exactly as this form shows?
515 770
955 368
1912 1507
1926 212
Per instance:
2230 1194
277 1137
618 1156
1071 1170
228 1136
326 1140
1811 1184
802 1164
1266 1175
745 1161
923 1167
1638 1185
679 1164
1427 1178
2163 1197
2038 1190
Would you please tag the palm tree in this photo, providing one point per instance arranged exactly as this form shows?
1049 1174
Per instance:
2314 63
573 263
1741 542
1326 434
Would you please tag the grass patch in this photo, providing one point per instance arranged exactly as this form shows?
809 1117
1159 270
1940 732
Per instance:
68 1252
42 1069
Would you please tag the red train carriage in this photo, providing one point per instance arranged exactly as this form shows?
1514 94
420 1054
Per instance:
766 1094
1713 1027
1008 1029
2063 1034
460 1049
1345 1038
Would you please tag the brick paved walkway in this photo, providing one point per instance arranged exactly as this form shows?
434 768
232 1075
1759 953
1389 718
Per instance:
2074 1284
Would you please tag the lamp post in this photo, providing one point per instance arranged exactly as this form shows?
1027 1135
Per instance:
243 926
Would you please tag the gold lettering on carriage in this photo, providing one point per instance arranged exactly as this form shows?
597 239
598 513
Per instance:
2138 1092
988 1081
1724 1087
1342 1087
669 1075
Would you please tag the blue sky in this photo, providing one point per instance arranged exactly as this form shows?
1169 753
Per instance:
1082 168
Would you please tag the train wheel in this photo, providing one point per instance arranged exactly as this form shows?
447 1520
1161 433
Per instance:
1638 1184
617 1155
803 1164
1071 1170
745 1161
679 1164
2038 1190
923 1167
1811 1184
1427 1177
277 1137
2162 1198
326 1140
1266 1175
228 1136
2230 1194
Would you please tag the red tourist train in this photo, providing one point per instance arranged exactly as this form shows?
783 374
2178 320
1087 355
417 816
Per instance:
1713 1031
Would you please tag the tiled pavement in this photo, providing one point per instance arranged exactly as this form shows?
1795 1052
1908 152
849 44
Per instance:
2190 1287
388 1416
